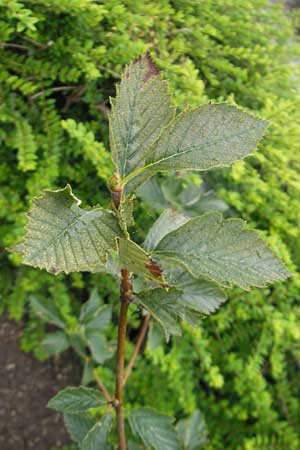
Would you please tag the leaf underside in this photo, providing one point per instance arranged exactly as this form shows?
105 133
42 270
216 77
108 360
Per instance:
223 251
62 237
139 112
155 429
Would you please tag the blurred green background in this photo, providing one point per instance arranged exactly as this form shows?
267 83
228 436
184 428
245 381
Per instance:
59 62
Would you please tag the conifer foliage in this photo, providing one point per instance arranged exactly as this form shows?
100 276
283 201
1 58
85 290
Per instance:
185 263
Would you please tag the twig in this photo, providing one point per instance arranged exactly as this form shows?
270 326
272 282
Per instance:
73 97
137 348
111 71
125 295
54 89
37 44
12 45
102 387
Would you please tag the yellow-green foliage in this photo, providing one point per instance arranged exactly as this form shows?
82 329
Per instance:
59 62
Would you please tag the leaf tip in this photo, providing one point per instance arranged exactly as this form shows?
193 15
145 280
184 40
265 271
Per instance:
150 68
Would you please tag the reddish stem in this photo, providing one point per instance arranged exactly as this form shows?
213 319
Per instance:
137 348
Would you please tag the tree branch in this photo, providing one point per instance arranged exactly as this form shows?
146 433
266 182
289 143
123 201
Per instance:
102 387
137 348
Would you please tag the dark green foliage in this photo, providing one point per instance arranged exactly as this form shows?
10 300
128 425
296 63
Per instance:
246 357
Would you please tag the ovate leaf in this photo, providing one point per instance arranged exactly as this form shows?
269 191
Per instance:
192 431
76 400
78 425
139 112
134 258
47 311
210 136
224 251
55 343
155 429
62 237
97 437
168 221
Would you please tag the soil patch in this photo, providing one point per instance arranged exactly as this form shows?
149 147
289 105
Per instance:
26 385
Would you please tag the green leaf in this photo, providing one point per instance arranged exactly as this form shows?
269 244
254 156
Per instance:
97 437
77 343
136 260
197 294
78 425
101 351
151 192
155 429
76 400
168 221
55 343
62 237
47 311
89 308
192 431
224 251
100 320
167 308
210 136
139 112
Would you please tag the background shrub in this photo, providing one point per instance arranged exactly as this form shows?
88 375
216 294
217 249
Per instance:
59 62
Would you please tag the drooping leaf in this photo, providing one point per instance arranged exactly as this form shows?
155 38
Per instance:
76 400
97 342
224 251
168 221
192 431
134 258
196 293
47 311
89 308
78 425
139 112
55 343
210 136
167 308
155 429
62 237
97 437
